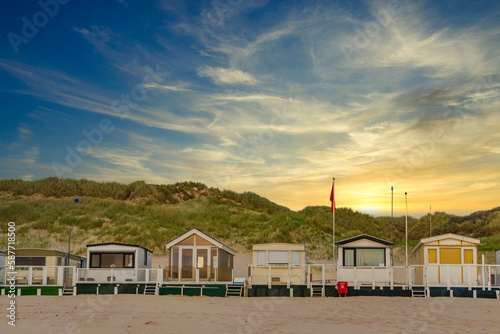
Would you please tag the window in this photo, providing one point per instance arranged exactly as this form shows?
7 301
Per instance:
295 258
175 262
364 257
370 257
95 261
450 256
146 253
469 256
261 258
279 258
432 256
30 261
349 257
112 260
129 260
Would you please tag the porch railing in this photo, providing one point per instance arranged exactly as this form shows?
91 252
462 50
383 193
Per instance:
119 275
38 275
484 276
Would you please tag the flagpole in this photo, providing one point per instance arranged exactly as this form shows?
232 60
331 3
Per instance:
406 231
392 213
333 220
430 220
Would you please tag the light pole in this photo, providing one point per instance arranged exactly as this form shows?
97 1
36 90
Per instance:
406 233
430 220
392 213
69 246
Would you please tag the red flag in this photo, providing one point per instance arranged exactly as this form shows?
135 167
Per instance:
332 199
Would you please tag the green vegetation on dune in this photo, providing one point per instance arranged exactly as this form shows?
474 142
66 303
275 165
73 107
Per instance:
150 215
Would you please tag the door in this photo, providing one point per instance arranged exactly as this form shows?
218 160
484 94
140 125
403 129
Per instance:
202 263
187 264
432 268
450 260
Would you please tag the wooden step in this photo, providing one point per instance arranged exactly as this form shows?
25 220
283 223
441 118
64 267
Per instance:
317 291
68 290
151 289
234 290
418 291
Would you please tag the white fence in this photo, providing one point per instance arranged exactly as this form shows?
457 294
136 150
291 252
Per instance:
119 275
465 275
38 275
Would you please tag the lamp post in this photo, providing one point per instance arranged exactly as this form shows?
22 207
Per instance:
406 241
69 246
392 213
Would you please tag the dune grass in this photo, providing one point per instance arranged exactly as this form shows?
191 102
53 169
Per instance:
151 215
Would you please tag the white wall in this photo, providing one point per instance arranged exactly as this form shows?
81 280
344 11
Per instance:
140 253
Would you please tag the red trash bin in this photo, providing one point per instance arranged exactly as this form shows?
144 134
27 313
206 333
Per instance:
342 288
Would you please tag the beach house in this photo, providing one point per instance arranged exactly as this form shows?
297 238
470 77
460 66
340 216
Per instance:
117 262
37 266
364 260
278 263
2 258
196 257
447 259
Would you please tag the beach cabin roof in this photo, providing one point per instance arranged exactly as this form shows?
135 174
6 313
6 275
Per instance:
27 252
202 235
448 239
365 237
279 246
118 244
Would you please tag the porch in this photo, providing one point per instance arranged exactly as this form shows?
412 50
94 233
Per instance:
38 275
119 275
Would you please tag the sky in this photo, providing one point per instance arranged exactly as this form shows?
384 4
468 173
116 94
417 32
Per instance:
272 97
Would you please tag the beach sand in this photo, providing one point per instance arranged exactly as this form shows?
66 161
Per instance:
177 314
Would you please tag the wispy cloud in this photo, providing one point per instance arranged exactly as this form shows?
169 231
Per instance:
24 133
227 75
271 102
31 155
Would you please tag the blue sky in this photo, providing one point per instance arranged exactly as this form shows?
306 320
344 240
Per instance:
274 97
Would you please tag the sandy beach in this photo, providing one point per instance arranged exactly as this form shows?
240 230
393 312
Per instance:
176 314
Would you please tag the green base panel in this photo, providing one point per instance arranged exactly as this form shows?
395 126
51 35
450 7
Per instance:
109 289
32 290
212 290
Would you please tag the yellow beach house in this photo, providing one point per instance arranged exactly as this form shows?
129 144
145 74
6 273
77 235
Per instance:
447 259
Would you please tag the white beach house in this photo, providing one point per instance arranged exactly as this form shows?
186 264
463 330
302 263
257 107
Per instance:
117 262
364 260
38 266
